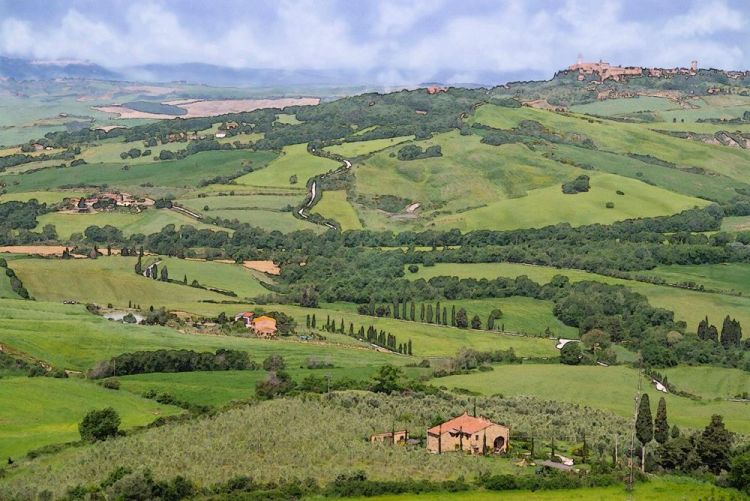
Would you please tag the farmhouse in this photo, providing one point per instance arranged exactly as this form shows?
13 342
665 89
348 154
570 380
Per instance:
390 437
245 317
264 326
468 433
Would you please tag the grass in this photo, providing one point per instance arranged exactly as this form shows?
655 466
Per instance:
624 106
656 489
67 336
241 202
268 220
689 306
607 388
294 161
548 206
624 138
361 148
145 222
46 411
287 119
725 277
45 197
185 173
709 382
736 223
334 205
6 291
112 280
109 152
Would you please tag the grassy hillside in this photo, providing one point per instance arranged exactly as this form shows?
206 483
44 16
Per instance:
186 173
294 161
547 206
608 388
359 148
732 277
624 138
69 337
334 205
689 306
47 411
113 280
45 197
145 222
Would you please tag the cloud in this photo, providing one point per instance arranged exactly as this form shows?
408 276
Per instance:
391 38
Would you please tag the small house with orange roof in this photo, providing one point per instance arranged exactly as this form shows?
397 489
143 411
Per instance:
468 433
264 326
246 317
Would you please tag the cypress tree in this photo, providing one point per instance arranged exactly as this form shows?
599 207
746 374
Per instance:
403 310
437 312
644 427
731 333
184 279
703 328
307 321
421 313
445 316
408 347
395 308
453 315
491 322
341 329
312 322
661 427
712 334
164 274
412 311
351 329
138 266
429 313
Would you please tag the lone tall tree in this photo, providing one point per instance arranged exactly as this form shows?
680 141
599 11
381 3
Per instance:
644 427
661 426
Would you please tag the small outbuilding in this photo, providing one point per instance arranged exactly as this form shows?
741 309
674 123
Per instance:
391 437
468 433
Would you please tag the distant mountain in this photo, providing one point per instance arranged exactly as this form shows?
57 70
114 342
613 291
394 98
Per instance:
23 69
223 76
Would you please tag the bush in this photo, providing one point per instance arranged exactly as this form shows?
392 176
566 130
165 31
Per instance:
610 205
570 354
99 425
274 363
413 268
578 185
111 384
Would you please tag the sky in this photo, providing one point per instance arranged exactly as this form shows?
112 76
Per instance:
391 39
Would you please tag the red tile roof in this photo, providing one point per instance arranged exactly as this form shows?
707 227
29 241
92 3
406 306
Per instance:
464 422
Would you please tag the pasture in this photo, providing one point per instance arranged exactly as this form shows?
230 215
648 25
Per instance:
334 205
145 222
548 206
690 306
113 280
44 197
736 223
624 138
607 388
294 161
67 336
730 277
360 148
266 219
175 174
47 411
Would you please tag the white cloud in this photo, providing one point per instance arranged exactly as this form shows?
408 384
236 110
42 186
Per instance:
418 38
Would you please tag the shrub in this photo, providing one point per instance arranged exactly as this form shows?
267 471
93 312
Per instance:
610 205
111 384
570 354
578 185
413 268
274 363
99 425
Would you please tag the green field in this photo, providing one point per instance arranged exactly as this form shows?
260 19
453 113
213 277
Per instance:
47 411
709 382
145 222
112 280
294 161
334 205
548 206
736 223
607 388
69 337
176 174
45 197
287 119
5 288
109 152
360 148
689 306
624 138
732 277
241 202
656 489
268 220
625 106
